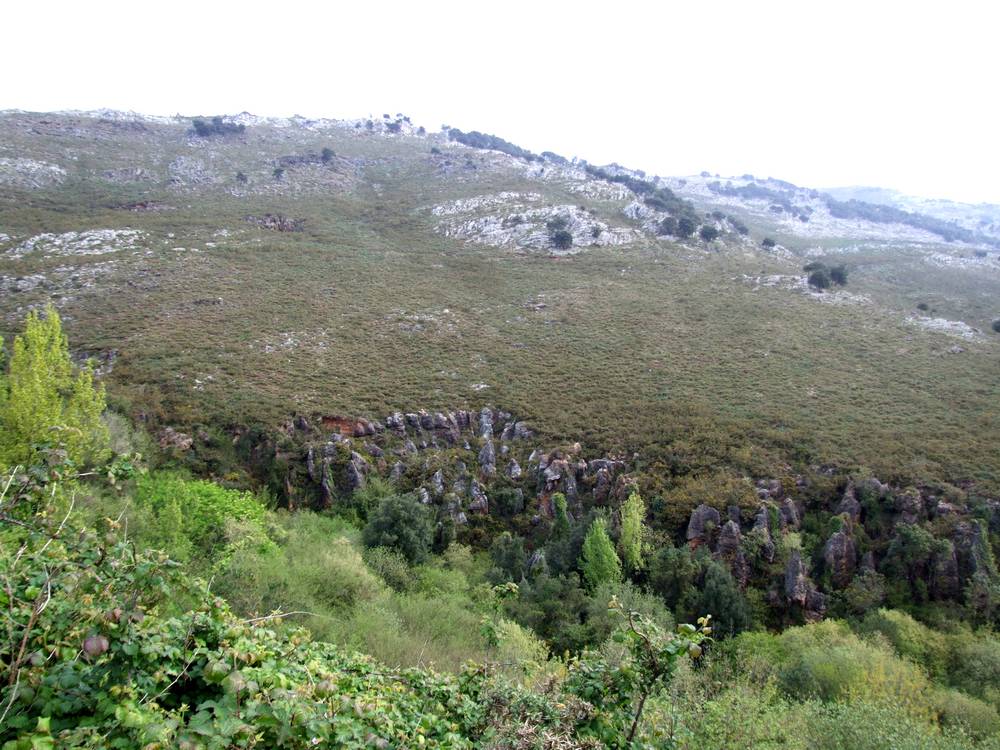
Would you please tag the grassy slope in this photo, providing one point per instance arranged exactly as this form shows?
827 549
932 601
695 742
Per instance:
651 347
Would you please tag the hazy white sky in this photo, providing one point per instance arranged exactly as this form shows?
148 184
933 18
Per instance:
896 94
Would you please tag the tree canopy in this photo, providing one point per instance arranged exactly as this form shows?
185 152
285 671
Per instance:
46 401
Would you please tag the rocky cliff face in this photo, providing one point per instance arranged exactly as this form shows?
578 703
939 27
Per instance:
798 546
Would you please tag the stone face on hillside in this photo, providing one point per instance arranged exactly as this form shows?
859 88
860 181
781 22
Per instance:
945 579
488 459
840 556
30 173
849 505
88 242
357 470
704 520
800 590
762 528
517 220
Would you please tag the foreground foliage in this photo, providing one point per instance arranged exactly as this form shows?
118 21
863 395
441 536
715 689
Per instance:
110 647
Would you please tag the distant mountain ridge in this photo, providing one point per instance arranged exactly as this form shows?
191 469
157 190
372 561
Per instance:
984 217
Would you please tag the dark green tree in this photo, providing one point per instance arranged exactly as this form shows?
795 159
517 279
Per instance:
673 573
838 275
401 523
686 226
721 595
820 278
561 239
668 227
509 559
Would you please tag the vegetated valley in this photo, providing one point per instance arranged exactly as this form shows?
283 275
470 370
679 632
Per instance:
344 433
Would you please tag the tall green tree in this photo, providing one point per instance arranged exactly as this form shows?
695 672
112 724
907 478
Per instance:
630 542
560 523
43 401
401 523
598 560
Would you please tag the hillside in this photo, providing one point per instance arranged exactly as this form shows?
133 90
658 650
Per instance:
402 289
508 395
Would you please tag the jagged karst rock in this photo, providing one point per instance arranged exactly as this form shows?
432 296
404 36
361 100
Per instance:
423 495
868 561
507 433
729 549
311 464
789 513
849 505
396 422
170 439
729 540
488 459
770 489
480 502
513 469
326 482
840 556
486 422
945 581
910 505
971 549
437 483
357 471
800 590
762 530
704 519
398 469
276 222
797 582
602 486
536 563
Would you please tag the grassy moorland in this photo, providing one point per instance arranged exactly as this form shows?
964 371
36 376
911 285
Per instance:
652 347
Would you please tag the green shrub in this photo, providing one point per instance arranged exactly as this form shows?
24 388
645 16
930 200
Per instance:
867 725
316 570
975 665
910 639
188 516
401 523
820 278
561 239
960 711
390 566
686 226
668 226
838 275
708 233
